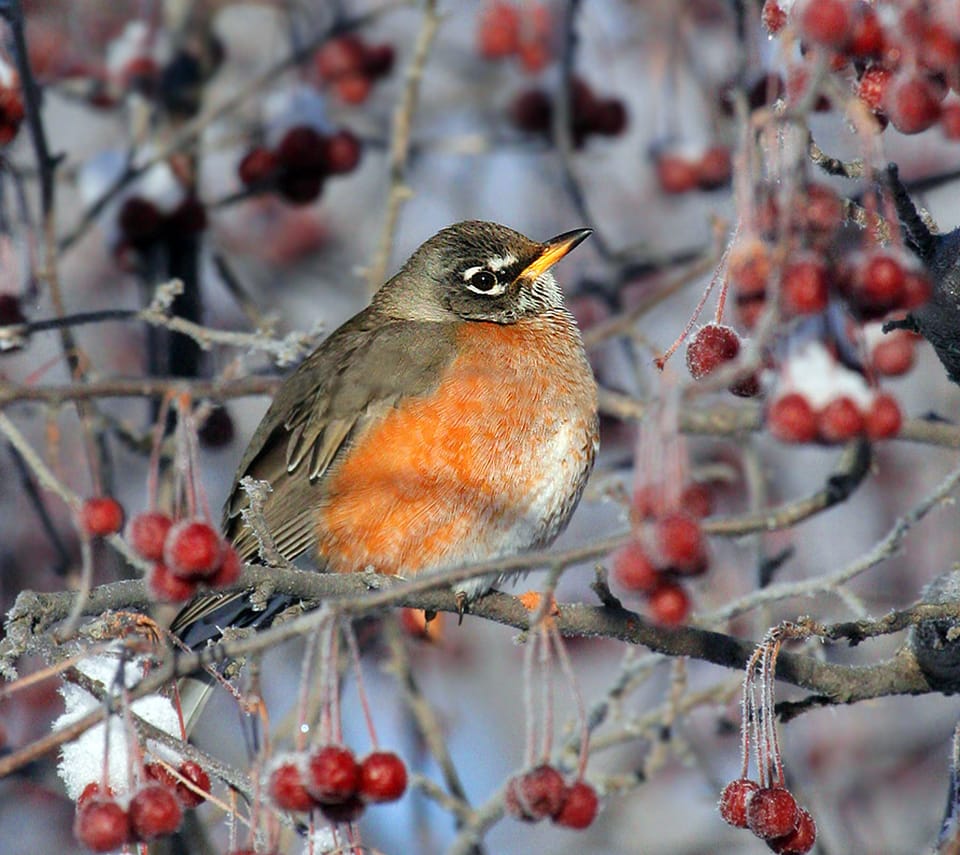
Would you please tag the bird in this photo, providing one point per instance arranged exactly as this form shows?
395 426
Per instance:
452 421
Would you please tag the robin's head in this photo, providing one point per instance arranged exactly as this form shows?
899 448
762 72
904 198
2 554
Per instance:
479 271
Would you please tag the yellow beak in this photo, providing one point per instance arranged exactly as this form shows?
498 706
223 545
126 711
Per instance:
553 250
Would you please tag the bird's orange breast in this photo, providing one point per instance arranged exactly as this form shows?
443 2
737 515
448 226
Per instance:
491 462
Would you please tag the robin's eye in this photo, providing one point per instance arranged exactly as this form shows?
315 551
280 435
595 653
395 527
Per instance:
482 281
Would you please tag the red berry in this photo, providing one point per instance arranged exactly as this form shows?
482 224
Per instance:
154 811
101 515
193 549
101 825
579 807
217 428
873 85
772 812
498 31
894 355
669 603
950 121
10 311
258 166
805 285
287 790
383 777
733 801
536 794
228 573
195 774
839 420
534 56
165 587
531 111
147 532
710 347
302 150
139 220
332 775
867 38
800 840
820 211
825 22
916 289
160 774
714 168
340 56
633 570
378 60
773 17
883 419
353 88
880 280
681 543
348 811
792 419
749 268
940 51
648 501
676 173
11 113
609 117
299 188
697 500
911 103
341 152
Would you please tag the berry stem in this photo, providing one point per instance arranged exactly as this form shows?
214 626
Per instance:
528 702
361 688
309 653
153 472
567 667
546 691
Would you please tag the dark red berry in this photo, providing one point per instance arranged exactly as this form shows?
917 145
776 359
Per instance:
714 168
195 774
867 38
302 150
193 549
102 825
147 532
733 801
165 587
154 811
711 346
825 22
579 807
378 60
10 311
772 812
160 774
633 569
750 267
840 420
383 777
681 543
140 220
820 211
299 188
911 103
805 285
340 56
287 789
880 280
883 419
347 811
536 794
669 603
609 117
257 167
697 500
228 573
332 775
792 419
217 428
342 152
532 111
773 17
101 515
11 113
800 840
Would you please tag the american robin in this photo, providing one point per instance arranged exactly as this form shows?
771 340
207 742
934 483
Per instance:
453 420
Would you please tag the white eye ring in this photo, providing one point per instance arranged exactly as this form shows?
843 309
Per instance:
495 289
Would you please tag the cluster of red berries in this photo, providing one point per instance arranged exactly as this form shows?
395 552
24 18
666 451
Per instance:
532 112
901 59
300 163
185 554
542 793
507 30
154 810
771 813
670 547
712 346
350 66
680 170
11 112
792 418
331 779
142 224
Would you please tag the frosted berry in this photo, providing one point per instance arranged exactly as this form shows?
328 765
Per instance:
749 268
800 840
733 801
711 346
773 17
911 103
681 543
805 285
332 775
165 587
873 85
147 532
258 166
193 549
195 774
867 38
772 812
579 807
101 515
792 419
669 603
159 774
92 791
825 22
840 420
536 794
383 777
287 790
102 825
880 280
883 419
154 811
633 569
228 573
